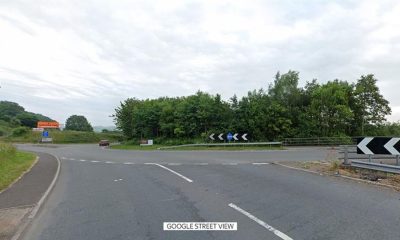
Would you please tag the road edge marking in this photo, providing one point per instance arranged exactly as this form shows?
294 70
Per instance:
260 222
174 172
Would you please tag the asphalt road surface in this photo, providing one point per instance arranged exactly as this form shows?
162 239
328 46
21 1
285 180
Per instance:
117 194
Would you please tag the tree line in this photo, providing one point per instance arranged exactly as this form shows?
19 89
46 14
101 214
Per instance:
283 110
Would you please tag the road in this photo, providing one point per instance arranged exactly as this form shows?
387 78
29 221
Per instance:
114 194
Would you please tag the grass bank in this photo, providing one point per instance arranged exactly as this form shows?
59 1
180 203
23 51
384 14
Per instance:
29 136
191 148
13 164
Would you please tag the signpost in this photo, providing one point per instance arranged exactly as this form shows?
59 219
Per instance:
46 137
212 137
43 124
229 136
379 145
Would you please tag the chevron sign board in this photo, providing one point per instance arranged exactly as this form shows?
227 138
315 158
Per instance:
378 145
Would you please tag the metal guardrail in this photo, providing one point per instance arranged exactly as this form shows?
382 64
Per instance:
224 144
319 141
376 166
351 158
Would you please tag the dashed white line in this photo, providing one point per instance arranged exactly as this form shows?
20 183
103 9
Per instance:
82 160
260 163
168 169
174 164
94 161
110 162
200 164
128 163
229 163
262 223
63 158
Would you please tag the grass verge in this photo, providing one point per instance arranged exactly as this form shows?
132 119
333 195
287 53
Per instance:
195 148
13 164
334 167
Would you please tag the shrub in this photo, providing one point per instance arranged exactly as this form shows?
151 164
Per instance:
17 132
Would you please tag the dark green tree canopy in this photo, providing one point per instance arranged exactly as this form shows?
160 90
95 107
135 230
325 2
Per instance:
15 115
335 108
78 123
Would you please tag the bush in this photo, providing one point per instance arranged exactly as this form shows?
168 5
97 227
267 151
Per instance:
17 132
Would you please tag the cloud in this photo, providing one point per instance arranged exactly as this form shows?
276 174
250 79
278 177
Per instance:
67 57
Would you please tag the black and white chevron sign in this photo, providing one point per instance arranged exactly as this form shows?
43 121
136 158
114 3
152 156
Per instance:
378 145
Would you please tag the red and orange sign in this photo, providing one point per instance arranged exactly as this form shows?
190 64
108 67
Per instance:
42 124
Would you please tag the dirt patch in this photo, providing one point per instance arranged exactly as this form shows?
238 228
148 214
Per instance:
335 168
10 220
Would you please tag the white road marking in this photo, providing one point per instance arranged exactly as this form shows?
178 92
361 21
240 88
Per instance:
94 161
176 173
128 163
110 162
82 160
229 163
63 158
200 164
260 163
174 164
262 223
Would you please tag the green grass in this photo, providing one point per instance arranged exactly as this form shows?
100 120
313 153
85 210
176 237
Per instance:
191 148
135 147
12 164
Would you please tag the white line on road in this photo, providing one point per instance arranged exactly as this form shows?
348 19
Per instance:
200 164
262 223
229 163
82 160
110 162
128 163
260 163
176 173
174 164
94 161
63 158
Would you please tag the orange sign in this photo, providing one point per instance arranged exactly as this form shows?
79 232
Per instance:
42 124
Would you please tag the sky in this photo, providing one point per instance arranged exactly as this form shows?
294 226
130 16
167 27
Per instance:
83 57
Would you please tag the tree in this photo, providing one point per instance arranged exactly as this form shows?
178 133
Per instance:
78 123
330 108
370 106
8 110
28 119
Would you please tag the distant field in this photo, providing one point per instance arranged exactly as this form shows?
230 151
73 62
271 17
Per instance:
12 164
188 148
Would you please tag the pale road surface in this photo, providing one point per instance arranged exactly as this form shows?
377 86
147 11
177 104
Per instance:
116 194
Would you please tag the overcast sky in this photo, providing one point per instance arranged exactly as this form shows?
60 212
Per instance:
69 57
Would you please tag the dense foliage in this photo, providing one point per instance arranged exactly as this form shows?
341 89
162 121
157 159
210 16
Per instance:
336 108
78 123
12 115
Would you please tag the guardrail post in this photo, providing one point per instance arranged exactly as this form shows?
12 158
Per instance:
346 155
